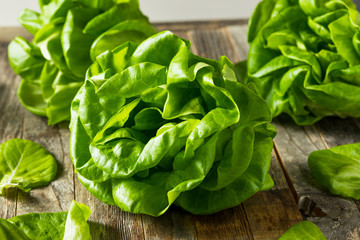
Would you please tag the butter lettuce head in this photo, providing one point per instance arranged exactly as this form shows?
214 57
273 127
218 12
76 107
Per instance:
155 125
68 35
304 58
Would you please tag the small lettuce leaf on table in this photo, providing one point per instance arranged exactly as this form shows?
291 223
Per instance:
303 231
70 225
25 165
154 125
304 58
68 35
338 169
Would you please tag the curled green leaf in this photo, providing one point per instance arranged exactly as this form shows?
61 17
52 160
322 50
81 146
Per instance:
338 169
25 165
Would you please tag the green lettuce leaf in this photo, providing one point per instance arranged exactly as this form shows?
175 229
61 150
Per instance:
41 225
303 231
76 226
155 125
9 231
48 226
67 33
304 58
25 165
338 169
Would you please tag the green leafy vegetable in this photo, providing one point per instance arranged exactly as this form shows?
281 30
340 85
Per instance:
303 231
304 58
155 125
76 226
68 34
25 165
48 226
338 169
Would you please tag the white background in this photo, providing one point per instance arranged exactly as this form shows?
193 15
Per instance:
156 10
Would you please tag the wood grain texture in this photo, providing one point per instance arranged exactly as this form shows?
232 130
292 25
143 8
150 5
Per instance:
228 224
58 195
238 34
271 213
11 116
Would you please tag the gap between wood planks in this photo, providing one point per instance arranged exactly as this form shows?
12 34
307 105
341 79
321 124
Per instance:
286 174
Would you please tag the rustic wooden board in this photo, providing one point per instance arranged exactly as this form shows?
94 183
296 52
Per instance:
266 215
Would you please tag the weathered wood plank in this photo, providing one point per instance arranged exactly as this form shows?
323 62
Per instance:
212 43
336 217
337 131
174 224
271 213
11 115
238 33
57 196
228 224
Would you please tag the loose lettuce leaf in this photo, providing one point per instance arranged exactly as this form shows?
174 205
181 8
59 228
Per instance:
48 226
304 58
155 120
76 226
303 230
41 225
338 169
25 165
66 33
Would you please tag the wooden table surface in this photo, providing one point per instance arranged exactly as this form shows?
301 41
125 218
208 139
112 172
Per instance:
266 215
